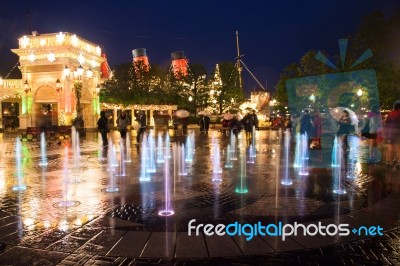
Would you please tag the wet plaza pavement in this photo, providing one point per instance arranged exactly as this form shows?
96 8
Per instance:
66 216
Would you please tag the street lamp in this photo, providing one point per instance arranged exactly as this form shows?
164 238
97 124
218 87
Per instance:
26 87
359 92
66 71
58 86
79 71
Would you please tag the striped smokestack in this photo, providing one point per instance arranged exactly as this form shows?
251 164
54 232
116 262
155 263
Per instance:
139 55
179 64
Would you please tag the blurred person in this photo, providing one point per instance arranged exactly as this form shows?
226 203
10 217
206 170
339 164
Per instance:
317 130
344 128
248 123
307 125
392 128
102 125
255 119
185 122
225 126
141 119
235 126
375 128
294 123
123 122
204 124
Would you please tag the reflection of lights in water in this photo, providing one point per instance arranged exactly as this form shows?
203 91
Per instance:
2 180
63 226
90 217
28 222
46 224
78 222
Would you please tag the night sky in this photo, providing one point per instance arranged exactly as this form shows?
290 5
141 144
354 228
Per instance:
272 34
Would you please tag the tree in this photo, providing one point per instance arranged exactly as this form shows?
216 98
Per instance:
198 85
226 87
380 36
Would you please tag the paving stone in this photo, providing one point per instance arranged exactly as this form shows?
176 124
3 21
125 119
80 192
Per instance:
101 243
160 245
130 245
222 246
26 256
255 246
190 246
282 246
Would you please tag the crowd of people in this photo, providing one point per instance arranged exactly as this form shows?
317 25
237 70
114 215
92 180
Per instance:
373 128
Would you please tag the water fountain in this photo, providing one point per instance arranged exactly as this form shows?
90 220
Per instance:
189 147
76 149
122 168
228 161
66 203
113 186
241 187
286 180
167 211
232 142
337 155
18 157
128 157
251 154
304 155
43 153
112 157
297 154
216 162
144 174
160 149
181 159
253 140
167 147
151 164
352 169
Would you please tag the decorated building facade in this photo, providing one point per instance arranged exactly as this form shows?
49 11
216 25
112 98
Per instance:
54 67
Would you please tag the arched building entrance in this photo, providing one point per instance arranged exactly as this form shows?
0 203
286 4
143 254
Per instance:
45 107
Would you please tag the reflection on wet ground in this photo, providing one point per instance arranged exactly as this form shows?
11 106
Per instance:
38 217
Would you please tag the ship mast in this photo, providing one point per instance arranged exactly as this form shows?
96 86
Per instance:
239 68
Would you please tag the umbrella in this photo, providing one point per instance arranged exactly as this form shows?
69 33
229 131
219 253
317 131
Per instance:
182 113
227 116
337 112
203 113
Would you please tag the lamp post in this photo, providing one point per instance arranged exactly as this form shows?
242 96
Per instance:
27 90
